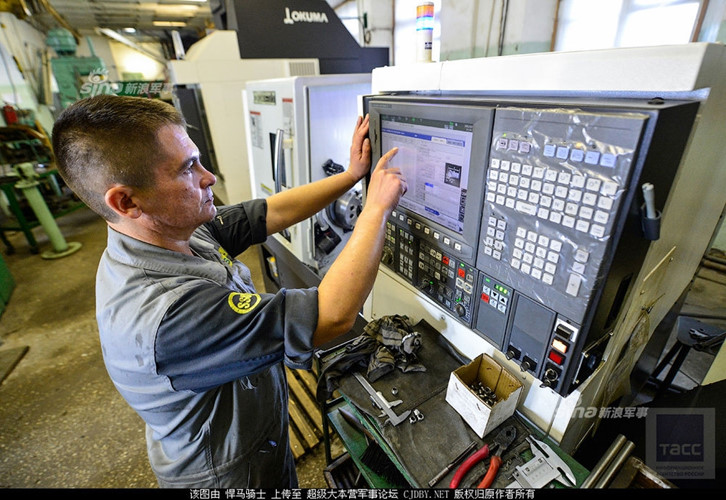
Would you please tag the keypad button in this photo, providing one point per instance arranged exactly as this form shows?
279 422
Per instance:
609 188
578 181
597 230
589 199
573 284
577 155
608 160
601 217
605 203
564 177
582 225
586 213
592 157
574 195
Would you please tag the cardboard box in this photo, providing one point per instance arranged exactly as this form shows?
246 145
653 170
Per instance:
481 417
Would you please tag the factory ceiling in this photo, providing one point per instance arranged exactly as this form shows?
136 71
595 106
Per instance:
141 20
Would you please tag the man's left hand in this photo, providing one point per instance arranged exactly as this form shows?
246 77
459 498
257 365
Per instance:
360 149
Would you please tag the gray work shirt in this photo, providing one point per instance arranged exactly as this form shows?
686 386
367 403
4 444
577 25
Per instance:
200 355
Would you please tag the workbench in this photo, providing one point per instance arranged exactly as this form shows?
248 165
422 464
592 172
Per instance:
420 450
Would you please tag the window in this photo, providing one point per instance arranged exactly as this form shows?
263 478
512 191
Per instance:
585 25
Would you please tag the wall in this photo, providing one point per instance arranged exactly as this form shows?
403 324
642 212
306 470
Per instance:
21 75
484 28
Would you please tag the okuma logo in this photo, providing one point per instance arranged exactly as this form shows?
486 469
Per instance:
298 16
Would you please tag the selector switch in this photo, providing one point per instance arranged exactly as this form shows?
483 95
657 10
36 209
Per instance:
528 364
460 310
550 377
513 353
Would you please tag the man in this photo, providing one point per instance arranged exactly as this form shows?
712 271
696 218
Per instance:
186 339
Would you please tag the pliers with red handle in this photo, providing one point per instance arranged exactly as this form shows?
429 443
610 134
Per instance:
501 442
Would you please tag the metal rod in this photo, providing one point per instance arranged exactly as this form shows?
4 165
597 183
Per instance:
604 461
615 465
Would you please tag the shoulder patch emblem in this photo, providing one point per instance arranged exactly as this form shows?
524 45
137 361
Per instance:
242 303
224 256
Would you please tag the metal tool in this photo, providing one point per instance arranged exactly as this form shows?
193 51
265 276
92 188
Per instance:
382 403
416 417
438 477
501 442
545 467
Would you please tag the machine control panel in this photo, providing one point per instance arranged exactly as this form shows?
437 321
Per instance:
555 184
448 281
521 220
434 269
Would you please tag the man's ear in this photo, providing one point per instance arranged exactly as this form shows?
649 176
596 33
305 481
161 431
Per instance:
123 201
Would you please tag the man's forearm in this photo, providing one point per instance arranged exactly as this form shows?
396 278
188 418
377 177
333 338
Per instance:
349 280
294 205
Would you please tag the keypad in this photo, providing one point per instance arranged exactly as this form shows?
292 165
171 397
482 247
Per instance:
572 200
536 255
405 253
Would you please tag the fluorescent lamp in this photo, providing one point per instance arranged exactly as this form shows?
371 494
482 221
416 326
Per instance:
170 23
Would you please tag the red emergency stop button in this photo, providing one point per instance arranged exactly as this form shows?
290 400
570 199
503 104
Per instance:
556 357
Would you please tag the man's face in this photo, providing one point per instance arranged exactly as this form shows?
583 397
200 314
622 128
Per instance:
181 198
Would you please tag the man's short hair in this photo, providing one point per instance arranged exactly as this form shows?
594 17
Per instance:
105 140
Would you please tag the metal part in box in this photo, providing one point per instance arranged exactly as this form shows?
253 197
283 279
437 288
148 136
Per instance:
481 416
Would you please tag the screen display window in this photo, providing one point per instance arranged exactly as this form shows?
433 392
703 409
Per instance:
434 156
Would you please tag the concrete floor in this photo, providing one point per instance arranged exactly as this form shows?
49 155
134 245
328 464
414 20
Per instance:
62 423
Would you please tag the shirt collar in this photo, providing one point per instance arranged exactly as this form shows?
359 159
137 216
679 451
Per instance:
136 253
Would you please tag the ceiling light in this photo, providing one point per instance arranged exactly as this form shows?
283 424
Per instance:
169 23
129 30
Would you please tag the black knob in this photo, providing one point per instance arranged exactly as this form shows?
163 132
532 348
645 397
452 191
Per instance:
526 365
460 310
387 257
550 378
551 375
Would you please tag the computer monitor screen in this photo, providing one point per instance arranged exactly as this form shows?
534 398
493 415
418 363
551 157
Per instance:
434 156
442 151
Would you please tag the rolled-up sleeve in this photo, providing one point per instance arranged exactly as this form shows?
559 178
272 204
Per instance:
211 335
